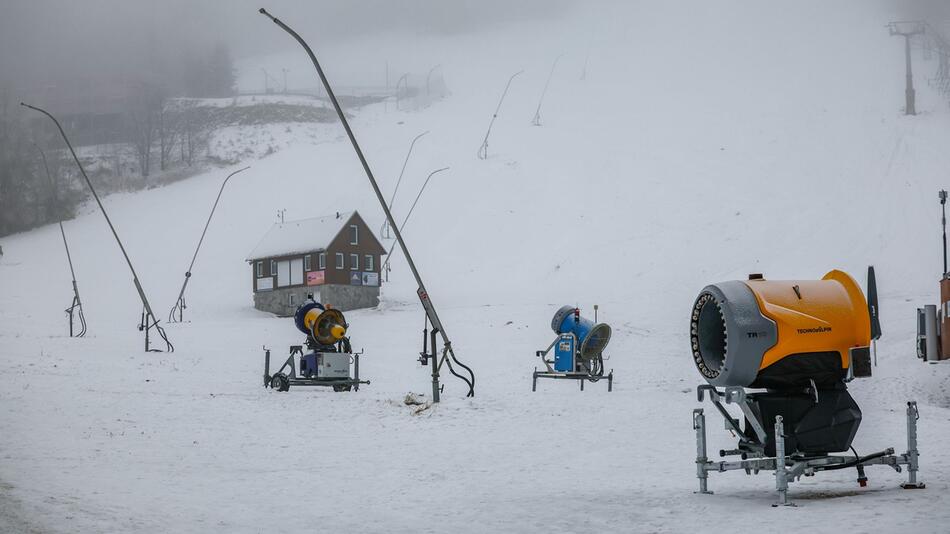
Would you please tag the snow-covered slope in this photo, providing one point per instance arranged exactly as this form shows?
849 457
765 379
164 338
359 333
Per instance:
705 142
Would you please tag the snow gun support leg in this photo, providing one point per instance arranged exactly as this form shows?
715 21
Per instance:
789 467
699 425
912 455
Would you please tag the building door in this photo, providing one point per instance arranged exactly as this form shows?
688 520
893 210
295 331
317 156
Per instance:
296 272
283 273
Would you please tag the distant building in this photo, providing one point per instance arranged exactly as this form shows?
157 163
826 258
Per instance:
337 258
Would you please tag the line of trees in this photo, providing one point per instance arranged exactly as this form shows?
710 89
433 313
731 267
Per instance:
153 119
28 197
157 128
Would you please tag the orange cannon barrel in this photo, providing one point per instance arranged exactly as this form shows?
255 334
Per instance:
779 334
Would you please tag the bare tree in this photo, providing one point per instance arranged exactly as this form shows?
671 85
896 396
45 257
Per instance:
168 130
143 113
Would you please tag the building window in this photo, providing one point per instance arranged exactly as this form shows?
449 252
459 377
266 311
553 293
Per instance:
339 260
260 269
354 262
354 234
307 263
322 261
290 299
273 267
368 262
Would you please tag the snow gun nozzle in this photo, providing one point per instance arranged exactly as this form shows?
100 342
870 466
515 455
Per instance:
263 11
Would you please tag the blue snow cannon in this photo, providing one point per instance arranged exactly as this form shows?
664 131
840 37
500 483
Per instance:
578 349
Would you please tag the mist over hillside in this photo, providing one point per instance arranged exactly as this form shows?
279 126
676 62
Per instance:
642 150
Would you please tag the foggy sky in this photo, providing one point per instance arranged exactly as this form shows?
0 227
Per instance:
54 41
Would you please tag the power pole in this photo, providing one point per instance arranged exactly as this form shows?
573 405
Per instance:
285 80
908 30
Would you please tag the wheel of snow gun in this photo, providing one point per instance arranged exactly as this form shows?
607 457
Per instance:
280 382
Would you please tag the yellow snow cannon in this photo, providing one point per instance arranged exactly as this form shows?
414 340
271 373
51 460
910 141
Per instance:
329 359
326 325
781 334
796 343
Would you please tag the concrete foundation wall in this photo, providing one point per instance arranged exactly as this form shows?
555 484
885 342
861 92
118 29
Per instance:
343 298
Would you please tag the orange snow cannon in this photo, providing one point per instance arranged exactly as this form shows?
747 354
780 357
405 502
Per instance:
773 334
797 343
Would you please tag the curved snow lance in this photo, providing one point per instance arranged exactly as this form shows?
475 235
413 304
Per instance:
180 305
448 354
148 320
75 309
801 341
578 349
329 361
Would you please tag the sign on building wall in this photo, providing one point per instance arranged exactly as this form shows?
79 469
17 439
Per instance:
356 279
265 284
370 279
316 278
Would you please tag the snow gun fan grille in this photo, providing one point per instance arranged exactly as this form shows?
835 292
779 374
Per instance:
596 341
708 336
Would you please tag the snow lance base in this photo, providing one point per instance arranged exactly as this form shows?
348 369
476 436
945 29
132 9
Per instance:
788 467
339 370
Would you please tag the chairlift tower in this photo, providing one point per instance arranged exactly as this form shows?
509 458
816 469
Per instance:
908 29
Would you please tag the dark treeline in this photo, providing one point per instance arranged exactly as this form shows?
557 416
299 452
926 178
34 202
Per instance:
135 111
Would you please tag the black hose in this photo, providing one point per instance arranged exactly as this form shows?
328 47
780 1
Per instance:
82 323
858 460
471 385
471 374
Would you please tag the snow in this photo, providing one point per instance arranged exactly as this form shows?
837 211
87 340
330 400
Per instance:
252 100
305 235
751 139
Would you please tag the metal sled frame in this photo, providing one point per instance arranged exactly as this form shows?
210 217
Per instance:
790 468
562 375
338 384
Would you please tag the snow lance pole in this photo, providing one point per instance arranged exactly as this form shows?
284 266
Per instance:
150 321
180 303
399 181
537 114
943 208
448 354
402 227
76 307
483 150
